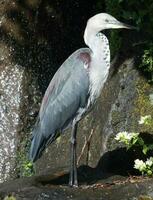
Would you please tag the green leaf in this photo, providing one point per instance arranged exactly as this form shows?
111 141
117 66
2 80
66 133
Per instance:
145 149
150 146
140 141
149 172
134 140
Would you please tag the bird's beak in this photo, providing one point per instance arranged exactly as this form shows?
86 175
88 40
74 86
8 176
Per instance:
123 25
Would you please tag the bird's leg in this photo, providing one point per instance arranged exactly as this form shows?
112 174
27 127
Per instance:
73 181
71 164
75 159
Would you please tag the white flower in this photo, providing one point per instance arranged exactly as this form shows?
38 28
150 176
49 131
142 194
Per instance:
140 165
125 136
121 135
149 162
129 137
145 119
134 135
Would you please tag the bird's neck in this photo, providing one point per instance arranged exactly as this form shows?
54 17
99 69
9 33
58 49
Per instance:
97 42
99 45
89 37
100 62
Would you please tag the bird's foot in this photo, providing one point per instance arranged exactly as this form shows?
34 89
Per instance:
74 185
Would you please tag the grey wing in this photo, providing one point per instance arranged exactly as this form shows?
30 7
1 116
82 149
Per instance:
67 92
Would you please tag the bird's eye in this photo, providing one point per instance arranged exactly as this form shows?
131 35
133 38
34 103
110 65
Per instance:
106 20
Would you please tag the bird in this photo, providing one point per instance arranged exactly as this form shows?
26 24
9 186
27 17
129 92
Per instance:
74 89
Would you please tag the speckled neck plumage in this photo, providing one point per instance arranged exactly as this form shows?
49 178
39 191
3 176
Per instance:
99 66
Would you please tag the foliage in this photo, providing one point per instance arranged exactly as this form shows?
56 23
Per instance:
129 139
147 61
113 7
147 120
138 13
11 197
144 167
24 166
133 140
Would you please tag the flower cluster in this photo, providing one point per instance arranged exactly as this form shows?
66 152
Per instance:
134 139
145 120
140 165
126 137
144 167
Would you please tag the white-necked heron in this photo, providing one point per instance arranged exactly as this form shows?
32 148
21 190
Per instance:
74 89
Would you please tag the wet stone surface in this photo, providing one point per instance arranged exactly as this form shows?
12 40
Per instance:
25 71
11 81
47 187
31 50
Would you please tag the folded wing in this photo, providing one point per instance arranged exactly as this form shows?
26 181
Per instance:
65 95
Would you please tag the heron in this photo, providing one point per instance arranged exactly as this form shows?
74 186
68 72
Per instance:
74 89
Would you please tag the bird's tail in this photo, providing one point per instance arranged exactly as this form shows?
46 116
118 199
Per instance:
37 144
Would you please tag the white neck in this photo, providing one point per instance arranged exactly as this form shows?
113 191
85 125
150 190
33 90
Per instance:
89 37
100 61
92 40
99 45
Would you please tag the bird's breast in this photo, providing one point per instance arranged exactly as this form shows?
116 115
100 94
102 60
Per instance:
97 80
99 70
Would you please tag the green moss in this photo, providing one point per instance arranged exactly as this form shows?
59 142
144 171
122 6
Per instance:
145 197
24 166
117 117
143 105
10 198
147 61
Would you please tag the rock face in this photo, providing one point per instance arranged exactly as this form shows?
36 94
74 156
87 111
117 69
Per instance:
11 81
11 76
110 189
124 99
30 53
20 52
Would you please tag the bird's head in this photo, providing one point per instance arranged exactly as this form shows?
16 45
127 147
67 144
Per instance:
100 22
103 21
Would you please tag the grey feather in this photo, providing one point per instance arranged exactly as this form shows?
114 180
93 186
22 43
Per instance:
66 94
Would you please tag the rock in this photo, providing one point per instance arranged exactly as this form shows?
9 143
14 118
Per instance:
30 53
11 77
124 99
46 187
19 88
